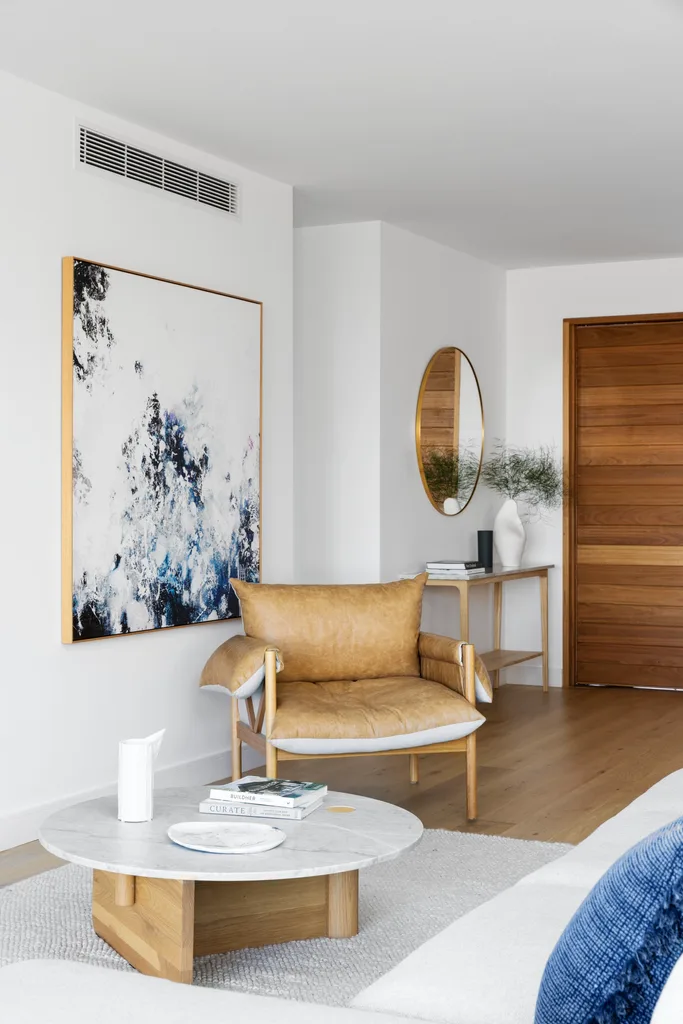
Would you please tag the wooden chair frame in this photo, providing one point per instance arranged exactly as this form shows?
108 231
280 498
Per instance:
252 734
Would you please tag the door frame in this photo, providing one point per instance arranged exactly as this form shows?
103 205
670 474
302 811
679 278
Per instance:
569 325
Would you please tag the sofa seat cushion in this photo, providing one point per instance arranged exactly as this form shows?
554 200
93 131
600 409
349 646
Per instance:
347 716
59 992
615 955
359 631
486 967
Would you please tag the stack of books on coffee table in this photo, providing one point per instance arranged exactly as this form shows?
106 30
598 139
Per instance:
256 797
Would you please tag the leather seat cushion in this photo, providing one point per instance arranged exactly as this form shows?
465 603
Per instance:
359 631
369 714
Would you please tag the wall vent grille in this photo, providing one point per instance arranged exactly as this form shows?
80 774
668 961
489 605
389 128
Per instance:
97 150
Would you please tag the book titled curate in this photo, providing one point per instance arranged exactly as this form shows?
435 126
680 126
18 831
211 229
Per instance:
258 810
253 789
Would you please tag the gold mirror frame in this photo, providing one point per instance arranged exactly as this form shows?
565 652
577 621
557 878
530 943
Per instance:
418 428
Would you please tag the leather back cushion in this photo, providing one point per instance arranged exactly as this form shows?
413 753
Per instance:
364 631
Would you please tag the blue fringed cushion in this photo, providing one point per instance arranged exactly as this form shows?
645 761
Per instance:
615 955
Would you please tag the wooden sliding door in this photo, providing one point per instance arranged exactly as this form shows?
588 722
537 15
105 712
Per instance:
624 501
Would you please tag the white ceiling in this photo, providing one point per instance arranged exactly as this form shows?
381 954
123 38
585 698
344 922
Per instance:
526 132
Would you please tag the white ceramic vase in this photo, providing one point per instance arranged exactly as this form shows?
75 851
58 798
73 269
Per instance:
509 535
451 507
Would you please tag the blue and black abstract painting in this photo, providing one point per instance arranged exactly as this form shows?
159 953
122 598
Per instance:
166 483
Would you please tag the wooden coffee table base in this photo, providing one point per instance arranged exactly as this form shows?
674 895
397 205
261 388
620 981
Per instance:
159 925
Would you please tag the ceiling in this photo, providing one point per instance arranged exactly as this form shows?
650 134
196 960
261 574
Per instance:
526 132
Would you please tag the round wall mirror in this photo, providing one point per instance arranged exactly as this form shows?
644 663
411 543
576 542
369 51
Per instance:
449 430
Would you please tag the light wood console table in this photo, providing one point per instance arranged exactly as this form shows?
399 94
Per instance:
497 658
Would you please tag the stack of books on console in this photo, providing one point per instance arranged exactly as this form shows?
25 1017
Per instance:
445 570
256 797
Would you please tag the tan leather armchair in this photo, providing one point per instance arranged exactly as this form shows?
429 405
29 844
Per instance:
345 671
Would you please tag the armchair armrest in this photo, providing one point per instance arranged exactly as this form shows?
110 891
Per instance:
239 665
442 659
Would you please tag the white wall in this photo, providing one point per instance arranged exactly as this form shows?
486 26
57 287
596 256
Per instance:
433 296
538 300
336 414
373 303
63 708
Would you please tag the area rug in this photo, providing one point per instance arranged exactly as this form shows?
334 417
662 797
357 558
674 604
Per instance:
402 904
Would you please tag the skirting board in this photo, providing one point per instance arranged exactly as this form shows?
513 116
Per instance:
530 674
22 827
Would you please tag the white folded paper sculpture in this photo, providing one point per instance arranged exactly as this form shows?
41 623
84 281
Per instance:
136 777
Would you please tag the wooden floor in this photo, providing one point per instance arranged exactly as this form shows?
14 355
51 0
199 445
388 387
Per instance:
551 767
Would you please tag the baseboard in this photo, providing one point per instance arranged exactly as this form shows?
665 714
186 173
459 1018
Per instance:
527 674
22 827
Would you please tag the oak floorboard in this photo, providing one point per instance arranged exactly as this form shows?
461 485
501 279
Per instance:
25 861
551 767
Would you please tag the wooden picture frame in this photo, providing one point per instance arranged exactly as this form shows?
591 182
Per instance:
203 455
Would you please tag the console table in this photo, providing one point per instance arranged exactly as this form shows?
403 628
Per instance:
497 658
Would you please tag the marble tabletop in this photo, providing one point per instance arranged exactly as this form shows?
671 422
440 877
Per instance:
325 843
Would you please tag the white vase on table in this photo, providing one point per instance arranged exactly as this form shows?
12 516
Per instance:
451 507
509 535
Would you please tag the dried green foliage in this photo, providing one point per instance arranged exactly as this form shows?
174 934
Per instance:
450 472
533 475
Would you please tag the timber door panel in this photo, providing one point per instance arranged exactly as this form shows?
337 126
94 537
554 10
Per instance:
624 504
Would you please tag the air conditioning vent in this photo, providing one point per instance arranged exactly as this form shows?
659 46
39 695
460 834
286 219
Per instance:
97 150
145 167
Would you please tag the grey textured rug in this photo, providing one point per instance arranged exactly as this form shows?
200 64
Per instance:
402 904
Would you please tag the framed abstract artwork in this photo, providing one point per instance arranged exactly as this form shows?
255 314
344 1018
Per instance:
161 446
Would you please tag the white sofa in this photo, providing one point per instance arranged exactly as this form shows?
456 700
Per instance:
485 968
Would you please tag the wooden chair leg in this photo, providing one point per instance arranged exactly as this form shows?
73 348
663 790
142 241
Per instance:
414 770
271 761
471 776
270 698
236 742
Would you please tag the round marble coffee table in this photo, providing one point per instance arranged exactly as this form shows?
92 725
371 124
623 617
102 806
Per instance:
159 905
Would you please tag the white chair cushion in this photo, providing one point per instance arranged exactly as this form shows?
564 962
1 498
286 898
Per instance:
359 745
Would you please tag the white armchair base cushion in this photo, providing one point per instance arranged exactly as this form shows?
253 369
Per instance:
249 689
366 745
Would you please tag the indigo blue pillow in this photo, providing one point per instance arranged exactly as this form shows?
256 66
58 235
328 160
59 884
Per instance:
615 955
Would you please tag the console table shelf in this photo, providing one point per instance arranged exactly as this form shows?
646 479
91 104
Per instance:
498 659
